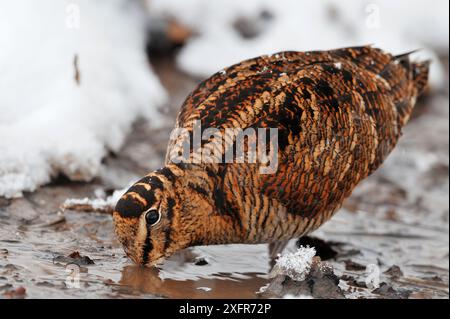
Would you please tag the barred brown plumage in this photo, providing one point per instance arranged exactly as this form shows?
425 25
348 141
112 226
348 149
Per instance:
339 113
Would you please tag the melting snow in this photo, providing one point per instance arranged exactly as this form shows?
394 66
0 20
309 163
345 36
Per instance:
98 203
295 265
74 77
396 26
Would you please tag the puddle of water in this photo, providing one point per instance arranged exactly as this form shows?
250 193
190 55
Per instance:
227 274
28 260
221 285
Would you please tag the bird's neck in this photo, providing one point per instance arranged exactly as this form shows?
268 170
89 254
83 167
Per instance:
199 190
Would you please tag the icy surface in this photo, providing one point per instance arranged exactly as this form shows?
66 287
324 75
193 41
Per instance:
295 265
73 78
396 26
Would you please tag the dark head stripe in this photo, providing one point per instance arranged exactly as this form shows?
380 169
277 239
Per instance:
156 182
167 173
151 180
138 197
148 195
148 246
127 206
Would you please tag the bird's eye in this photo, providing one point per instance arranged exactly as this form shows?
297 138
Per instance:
152 217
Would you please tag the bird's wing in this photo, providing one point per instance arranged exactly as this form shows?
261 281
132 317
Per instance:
351 111
335 111
239 95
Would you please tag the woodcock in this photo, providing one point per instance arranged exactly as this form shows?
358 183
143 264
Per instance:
339 114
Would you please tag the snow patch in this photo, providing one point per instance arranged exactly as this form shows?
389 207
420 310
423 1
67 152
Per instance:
96 204
262 289
74 77
396 26
295 265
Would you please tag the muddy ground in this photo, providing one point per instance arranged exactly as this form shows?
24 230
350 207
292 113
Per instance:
395 225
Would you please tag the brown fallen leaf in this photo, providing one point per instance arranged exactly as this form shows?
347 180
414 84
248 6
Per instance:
76 258
394 271
351 265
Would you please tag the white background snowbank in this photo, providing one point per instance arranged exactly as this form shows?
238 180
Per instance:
397 26
48 123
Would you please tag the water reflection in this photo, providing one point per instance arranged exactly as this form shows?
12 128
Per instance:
147 280
229 271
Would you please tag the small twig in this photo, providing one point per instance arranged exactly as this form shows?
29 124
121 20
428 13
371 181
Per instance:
93 205
76 76
87 207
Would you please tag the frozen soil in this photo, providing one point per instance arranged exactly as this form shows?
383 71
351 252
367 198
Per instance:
395 227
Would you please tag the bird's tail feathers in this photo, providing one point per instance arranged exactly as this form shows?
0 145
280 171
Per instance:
420 70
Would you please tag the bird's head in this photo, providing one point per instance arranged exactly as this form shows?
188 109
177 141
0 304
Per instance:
148 219
164 212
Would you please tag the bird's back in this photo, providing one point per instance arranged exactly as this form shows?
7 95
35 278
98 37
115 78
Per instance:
338 113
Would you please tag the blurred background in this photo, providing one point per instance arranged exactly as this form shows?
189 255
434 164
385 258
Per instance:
89 92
